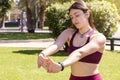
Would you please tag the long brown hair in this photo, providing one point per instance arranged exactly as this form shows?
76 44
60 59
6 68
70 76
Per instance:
83 6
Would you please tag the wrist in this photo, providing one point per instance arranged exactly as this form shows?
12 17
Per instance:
62 66
42 54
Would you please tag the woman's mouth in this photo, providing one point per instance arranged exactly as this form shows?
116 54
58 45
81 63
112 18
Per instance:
76 23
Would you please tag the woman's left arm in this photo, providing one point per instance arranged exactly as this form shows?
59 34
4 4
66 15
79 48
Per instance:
96 43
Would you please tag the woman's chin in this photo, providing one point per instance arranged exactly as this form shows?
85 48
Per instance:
78 27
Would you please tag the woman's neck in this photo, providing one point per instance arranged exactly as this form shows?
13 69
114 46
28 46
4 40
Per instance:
85 29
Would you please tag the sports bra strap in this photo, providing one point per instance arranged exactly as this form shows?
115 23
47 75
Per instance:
73 36
90 34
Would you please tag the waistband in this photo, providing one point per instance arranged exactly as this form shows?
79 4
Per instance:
92 77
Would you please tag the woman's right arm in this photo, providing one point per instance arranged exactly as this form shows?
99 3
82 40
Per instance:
58 44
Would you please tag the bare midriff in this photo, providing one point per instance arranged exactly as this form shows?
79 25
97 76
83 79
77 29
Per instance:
84 69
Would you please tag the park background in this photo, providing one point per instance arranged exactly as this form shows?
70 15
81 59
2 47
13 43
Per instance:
19 46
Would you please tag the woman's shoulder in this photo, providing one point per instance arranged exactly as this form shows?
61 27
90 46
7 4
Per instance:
70 30
96 33
99 36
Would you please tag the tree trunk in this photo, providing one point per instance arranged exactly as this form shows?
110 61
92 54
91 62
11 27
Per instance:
42 14
30 21
1 22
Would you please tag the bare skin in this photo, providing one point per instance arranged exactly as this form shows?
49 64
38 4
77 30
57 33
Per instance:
97 43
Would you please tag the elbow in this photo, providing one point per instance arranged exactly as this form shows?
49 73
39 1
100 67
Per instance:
80 54
56 46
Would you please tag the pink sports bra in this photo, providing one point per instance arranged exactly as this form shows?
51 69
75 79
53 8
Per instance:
92 58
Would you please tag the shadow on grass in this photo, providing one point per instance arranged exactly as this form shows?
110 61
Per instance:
33 52
61 53
28 52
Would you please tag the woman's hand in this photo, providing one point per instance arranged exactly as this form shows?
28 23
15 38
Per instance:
53 67
48 64
42 61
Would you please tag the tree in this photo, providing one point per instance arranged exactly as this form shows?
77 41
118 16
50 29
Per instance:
43 5
5 5
30 11
105 16
29 7
116 2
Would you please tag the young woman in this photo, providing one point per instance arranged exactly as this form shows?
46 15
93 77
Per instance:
86 46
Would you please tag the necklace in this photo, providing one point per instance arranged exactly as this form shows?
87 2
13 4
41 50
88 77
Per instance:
82 35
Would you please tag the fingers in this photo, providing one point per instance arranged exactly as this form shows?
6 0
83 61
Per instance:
45 64
49 60
48 64
39 63
41 60
52 67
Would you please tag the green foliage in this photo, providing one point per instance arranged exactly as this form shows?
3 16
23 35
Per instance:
57 18
105 17
4 6
89 0
116 2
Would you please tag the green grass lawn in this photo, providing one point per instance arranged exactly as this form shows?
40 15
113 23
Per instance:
24 36
110 65
21 64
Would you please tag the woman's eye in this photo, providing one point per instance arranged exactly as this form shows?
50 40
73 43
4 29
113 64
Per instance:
77 15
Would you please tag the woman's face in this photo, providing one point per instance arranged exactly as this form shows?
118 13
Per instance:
78 18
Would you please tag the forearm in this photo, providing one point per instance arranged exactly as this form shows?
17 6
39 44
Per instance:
72 58
50 50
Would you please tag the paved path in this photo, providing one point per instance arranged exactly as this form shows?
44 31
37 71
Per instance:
26 43
25 30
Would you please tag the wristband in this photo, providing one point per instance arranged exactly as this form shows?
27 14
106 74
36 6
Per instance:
61 65
42 53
